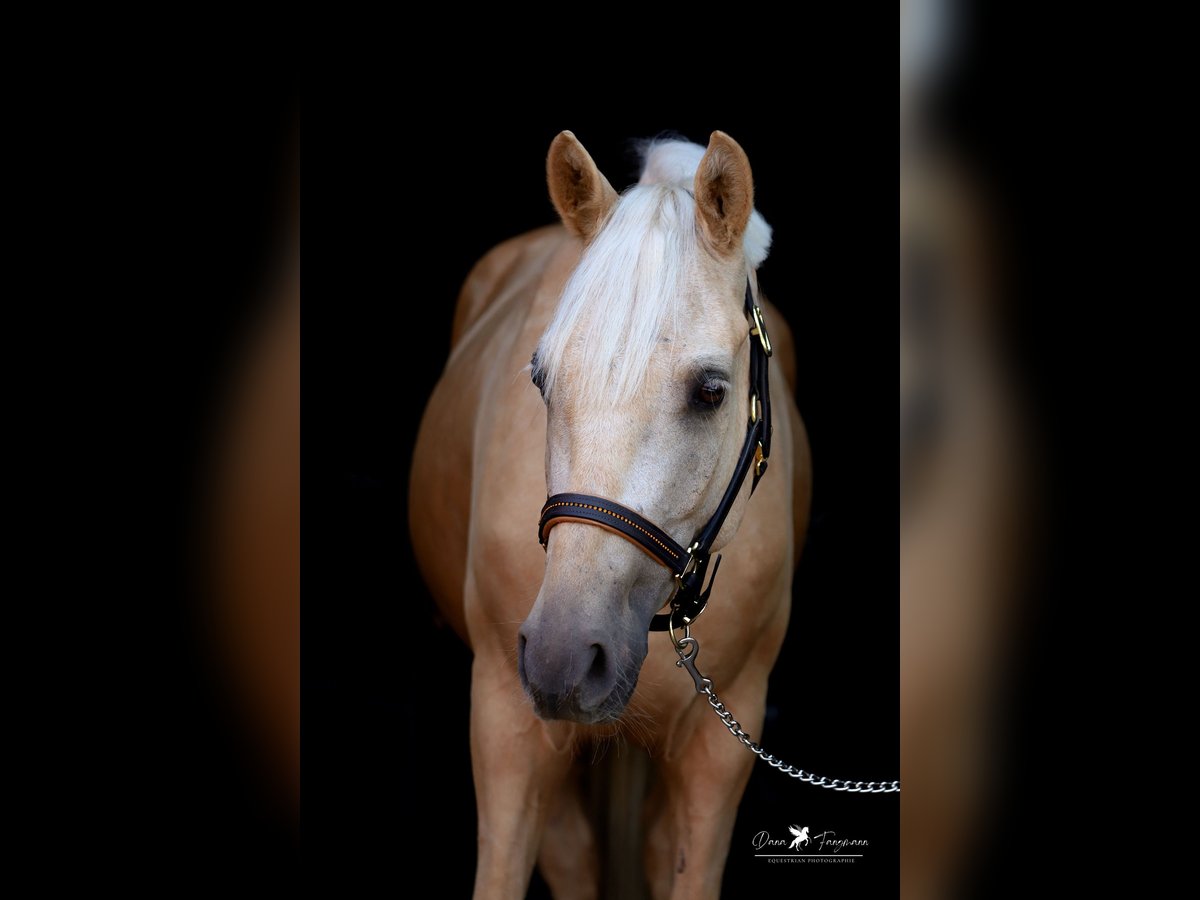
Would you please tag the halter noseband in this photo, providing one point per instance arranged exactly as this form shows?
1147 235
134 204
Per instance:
688 565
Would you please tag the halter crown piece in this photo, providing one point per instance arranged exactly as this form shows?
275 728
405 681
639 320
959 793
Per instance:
688 565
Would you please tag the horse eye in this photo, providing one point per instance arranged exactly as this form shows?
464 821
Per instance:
708 395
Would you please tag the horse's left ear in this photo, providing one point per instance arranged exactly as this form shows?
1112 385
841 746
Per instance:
724 194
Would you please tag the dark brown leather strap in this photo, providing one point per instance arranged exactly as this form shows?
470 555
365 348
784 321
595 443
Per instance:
618 518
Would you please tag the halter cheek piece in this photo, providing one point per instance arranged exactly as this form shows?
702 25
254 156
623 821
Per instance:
688 565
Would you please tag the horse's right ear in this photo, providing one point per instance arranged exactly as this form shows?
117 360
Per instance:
582 196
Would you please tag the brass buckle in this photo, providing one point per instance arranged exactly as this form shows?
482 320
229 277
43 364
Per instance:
760 461
688 569
753 408
760 329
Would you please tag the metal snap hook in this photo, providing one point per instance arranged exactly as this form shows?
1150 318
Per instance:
688 661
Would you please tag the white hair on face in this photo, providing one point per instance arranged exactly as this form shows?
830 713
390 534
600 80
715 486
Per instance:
629 285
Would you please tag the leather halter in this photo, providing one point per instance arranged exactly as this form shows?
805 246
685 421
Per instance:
688 565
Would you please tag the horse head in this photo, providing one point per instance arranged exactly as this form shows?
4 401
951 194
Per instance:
644 371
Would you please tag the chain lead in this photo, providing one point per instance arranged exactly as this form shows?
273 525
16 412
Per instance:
705 686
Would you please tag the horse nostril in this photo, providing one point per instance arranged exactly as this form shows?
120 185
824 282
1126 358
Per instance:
599 664
521 657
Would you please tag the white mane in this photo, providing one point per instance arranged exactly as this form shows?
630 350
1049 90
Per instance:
626 291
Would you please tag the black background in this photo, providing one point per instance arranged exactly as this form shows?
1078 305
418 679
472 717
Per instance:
384 690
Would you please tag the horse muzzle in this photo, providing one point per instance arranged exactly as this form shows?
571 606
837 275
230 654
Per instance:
581 675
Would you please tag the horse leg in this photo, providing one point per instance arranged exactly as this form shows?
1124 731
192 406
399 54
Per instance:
519 764
659 842
568 857
702 784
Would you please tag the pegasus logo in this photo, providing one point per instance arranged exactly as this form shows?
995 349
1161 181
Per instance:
801 837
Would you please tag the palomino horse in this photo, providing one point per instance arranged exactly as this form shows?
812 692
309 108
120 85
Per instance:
640 394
